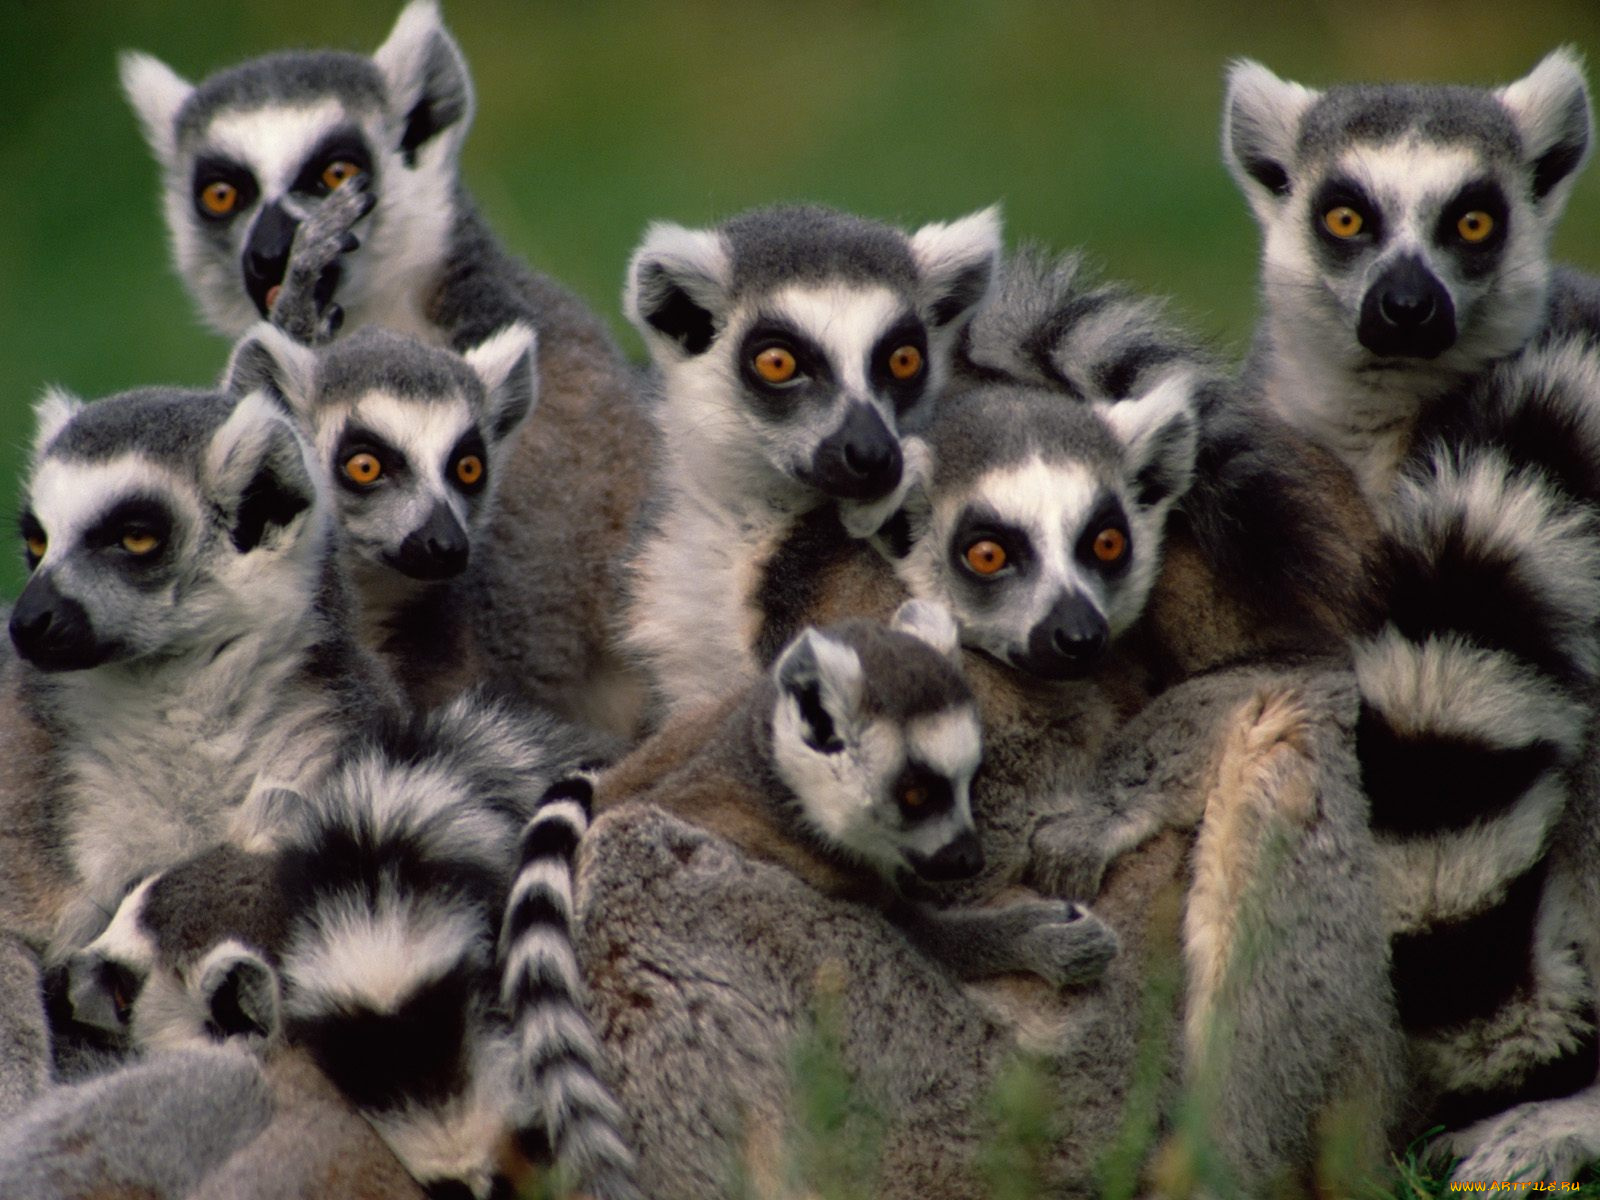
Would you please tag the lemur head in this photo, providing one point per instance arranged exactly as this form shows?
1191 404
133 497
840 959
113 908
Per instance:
412 436
189 957
1041 524
797 344
1407 227
246 154
876 738
163 524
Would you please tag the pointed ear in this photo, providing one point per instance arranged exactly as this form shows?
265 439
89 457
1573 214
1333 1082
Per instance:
677 289
239 992
156 92
1162 437
1550 106
268 360
1260 127
958 262
51 414
256 468
823 680
430 89
507 364
930 622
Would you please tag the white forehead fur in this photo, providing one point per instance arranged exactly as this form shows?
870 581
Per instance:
846 319
1051 501
948 741
273 139
156 92
125 940
69 496
1420 174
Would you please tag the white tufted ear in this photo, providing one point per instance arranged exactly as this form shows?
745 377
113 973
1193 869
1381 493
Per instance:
268 360
958 261
51 414
932 623
1550 106
507 364
1260 126
1161 436
430 88
676 293
824 682
156 92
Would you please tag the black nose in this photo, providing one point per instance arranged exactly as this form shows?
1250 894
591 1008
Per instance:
266 253
437 550
1069 642
960 859
53 631
1407 313
860 460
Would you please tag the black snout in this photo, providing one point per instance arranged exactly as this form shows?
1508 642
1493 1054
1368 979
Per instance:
1069 642
53 631
960 859
437 550
266 253
860 460
1408 313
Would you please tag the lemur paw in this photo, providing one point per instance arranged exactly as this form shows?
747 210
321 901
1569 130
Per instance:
1066 859
303 306
1068 944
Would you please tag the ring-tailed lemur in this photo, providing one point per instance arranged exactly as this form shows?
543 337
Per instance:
187 635
247 154
1414 324
795 348
850 764
370 936
414 440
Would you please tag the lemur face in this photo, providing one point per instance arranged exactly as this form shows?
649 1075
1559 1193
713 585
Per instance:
797 345
159 524
877 738
250 151
1407 228
1042 526
411 437
187 957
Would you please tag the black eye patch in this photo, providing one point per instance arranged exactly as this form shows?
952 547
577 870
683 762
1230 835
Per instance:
906 333
1105 544
1343 193
775 401
457 464
356 440
1476 201
211 169
144 516
920 792
341 145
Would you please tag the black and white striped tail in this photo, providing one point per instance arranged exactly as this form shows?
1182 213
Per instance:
1478 698
571 1109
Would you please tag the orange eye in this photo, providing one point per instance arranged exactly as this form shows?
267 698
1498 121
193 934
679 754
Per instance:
219 198
1110 545
36 546
986 557
905 362
469 469
914 796
138 542
776 365
363 468
1343 222
1475 226
337 174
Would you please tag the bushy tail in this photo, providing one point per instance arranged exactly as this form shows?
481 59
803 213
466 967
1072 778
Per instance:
1477 699
560 1057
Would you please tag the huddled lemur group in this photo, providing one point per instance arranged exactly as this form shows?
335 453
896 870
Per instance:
943 646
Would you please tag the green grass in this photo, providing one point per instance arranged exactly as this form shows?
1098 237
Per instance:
1094 124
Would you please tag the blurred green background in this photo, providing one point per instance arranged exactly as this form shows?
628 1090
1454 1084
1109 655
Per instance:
1094 125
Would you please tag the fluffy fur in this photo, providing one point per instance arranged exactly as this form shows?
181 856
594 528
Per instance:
840 297
423 263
